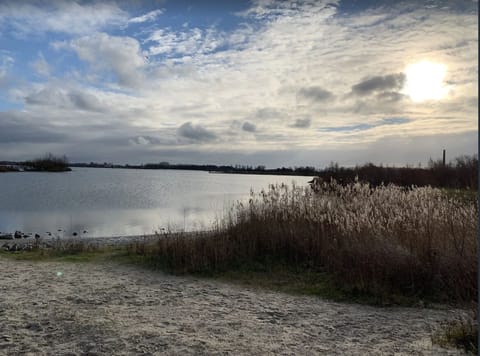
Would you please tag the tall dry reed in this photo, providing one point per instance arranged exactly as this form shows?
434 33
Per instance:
375 240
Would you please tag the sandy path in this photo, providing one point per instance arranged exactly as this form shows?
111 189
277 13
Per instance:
108 309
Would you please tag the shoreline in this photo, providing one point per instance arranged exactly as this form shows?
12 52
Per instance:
99 241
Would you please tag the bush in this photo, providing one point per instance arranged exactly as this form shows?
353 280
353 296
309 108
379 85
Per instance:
49 163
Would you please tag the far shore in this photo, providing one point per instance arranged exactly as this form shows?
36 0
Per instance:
101 241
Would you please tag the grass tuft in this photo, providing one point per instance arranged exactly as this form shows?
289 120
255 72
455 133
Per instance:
461 333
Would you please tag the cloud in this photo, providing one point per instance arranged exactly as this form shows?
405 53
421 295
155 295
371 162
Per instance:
272 9
390 96
315 93
379 83
302 123
144 140
41 66
72 99
121 56
64 16
6 62
84 101
249 127
195 132
15 129
190 42
149 16
267 113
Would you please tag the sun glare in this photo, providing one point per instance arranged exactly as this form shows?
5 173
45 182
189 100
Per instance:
425 81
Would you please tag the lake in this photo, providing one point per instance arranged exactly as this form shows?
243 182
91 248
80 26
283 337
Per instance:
119 202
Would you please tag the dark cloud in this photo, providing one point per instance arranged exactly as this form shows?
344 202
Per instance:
267 113
247 126
381 83
315 93
301 123
73 99
42 97
195 132
390 96
15 131
85 101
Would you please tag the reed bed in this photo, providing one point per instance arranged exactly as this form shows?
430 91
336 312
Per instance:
384 240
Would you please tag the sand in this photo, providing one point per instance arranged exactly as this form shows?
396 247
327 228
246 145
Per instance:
52 308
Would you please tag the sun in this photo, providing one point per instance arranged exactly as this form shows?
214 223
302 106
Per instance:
424 81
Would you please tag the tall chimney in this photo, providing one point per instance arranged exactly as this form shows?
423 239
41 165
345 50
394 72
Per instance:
444 157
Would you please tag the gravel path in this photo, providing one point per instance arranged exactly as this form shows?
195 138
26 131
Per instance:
49 308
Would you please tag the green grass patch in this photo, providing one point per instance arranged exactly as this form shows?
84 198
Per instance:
280 277
462 195
462 334
286 280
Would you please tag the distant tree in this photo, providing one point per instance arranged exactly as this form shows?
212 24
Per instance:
460 173
48 163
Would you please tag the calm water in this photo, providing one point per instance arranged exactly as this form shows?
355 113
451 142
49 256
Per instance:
111 202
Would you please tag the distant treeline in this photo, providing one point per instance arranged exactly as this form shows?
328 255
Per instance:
238 169
47 163
461 173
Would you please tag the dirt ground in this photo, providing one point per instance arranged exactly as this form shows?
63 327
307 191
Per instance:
52 308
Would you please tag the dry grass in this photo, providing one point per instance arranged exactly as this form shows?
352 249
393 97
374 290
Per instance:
381 241
461 333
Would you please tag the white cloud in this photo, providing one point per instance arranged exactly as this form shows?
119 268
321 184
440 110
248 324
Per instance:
191 42
121 56
149 16
72 17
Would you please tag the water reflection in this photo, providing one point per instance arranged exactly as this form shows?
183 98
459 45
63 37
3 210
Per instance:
114 202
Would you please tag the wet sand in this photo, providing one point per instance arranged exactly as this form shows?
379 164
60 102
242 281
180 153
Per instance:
52 308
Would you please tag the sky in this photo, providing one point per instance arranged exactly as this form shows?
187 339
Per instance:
260 82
